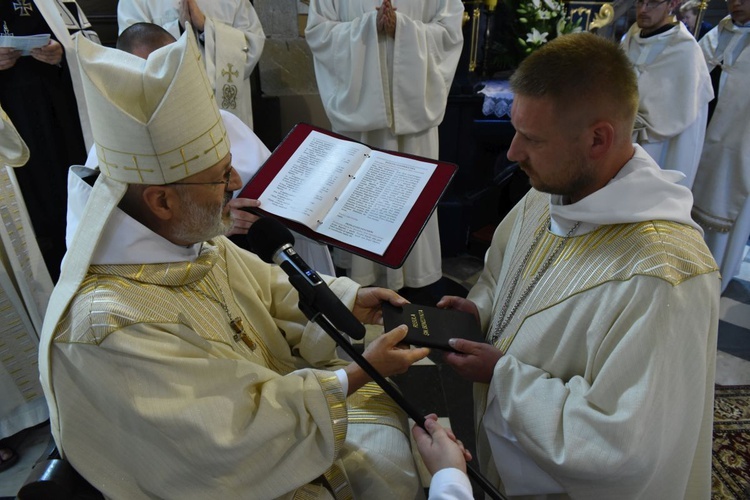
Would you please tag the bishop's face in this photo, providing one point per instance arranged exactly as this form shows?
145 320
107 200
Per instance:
204 213
549 149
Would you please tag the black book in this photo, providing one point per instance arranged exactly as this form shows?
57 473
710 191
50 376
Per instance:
432 327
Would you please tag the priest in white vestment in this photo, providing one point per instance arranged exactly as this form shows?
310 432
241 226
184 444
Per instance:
674 88
384 70
599 298
25 286
722 186
197 374
231 41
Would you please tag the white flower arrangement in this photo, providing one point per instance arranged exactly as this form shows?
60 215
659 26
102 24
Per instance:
543 20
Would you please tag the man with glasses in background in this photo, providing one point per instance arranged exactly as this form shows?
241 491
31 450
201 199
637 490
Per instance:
674 87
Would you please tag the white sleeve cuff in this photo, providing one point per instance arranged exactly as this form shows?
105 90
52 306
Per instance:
450 484
343 380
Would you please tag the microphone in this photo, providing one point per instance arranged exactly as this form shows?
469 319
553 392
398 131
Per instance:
273 242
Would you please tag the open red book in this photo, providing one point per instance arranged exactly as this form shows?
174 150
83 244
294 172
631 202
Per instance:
369 201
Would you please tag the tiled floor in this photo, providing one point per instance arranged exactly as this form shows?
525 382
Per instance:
433 387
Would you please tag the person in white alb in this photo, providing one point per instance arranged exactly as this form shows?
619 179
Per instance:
599 299
673 85
384 70
722 186
231 41
25 287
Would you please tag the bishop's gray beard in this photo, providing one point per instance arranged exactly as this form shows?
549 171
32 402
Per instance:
202 221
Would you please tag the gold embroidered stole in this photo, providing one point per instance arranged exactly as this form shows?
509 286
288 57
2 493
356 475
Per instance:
113 297
666 250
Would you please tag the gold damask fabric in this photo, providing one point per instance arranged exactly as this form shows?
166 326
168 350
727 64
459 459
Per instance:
662 249
147 352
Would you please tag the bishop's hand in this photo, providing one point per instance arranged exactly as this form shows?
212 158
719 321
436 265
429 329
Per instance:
367 304
385 355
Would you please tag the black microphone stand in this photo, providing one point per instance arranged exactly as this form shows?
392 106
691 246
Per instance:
306 299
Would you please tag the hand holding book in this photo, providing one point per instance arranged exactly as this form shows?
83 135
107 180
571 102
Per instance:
432 327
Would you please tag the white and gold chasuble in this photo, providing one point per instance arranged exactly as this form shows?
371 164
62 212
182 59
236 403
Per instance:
159 397
614 344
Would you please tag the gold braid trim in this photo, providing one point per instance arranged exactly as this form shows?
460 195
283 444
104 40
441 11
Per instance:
334 479
338 483
309 492
370 405
331 482
114 297
336 400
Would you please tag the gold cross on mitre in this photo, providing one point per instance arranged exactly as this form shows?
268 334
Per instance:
24 7
184 161
228 71
137 168
215 145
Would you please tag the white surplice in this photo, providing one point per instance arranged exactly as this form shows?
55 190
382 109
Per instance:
674 88
232 42
614 344
388 93
722 186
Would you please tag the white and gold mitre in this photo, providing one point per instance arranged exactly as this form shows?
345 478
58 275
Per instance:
154 120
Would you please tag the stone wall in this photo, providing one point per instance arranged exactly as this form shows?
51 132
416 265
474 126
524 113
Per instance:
286 66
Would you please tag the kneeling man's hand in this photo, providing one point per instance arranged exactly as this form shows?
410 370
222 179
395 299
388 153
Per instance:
474 361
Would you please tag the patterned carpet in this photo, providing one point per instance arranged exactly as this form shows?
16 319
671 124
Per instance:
730 471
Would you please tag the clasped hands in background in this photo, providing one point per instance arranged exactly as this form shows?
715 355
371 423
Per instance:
52 53
386 20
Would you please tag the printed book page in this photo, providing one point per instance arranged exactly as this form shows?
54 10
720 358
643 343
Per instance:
313 178
343 190
374 205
